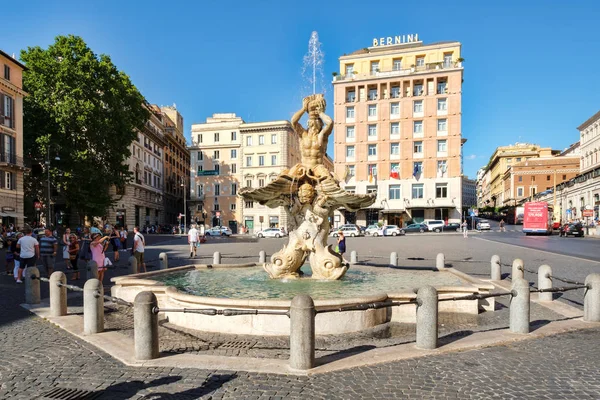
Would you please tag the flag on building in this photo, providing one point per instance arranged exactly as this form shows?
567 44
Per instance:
416 170
395 172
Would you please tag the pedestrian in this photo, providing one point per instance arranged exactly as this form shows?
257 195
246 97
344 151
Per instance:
193 240
139 245
10 257
115 241
29 252
341 244
465 228
123 234
502 229
66 239
48 248
98 246
16 253
74 255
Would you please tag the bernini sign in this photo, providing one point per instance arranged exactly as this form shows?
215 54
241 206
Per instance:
401 39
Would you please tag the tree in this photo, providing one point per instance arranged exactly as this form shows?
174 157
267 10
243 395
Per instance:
82 109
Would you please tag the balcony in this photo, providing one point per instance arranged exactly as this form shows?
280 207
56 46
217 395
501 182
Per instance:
354 76
10 159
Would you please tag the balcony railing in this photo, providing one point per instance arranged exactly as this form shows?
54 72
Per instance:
399 72
8 158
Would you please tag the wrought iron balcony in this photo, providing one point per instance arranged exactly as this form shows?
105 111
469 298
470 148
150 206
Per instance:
10 159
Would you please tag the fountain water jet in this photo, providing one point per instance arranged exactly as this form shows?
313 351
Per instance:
312 69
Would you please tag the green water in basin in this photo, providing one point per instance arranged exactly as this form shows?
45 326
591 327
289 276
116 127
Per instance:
253 283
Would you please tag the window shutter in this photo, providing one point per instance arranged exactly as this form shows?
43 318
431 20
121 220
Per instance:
13 178
1 108
2 176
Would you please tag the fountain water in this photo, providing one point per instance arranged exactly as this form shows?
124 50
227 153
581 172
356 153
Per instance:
312 69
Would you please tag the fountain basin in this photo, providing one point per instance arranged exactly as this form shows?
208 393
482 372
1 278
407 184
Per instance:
247 287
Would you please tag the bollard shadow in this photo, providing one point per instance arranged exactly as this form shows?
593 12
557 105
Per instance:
537 324
340 355
128 389
504 276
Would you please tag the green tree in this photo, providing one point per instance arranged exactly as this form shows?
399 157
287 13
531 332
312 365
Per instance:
82 109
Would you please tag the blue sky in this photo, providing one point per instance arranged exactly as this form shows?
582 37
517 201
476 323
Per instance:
531 69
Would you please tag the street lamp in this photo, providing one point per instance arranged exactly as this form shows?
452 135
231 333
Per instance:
184 207
48 207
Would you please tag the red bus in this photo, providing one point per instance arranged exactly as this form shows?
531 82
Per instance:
537 218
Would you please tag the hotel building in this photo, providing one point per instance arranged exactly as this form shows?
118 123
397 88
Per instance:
398 130
11 140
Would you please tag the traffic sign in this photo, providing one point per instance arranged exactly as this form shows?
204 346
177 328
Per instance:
588 213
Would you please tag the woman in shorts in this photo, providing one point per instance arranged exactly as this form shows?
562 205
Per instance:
115 241
98 246
74 255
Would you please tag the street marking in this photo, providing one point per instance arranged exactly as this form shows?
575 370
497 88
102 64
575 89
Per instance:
543 251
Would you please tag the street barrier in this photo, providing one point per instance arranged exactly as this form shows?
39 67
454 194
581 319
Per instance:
496 274
262 257
164 261
216 258
58 294
353 257
394 259
440 262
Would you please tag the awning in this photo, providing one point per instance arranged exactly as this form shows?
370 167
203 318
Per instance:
429 206
11 215
393 211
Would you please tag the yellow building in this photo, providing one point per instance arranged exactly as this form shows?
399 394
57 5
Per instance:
397 113
11 140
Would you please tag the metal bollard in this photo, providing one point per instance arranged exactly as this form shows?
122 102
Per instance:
262 257
440 261
545 282
133 267
302 332
58 294
496 271
427 318
394 259
164 261
145 326
519 306
92 270
93 307
32 286
353 257
517 270
591 300
216 258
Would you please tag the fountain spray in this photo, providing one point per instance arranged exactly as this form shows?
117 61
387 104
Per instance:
313 62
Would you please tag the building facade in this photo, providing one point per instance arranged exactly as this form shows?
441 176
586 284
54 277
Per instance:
267 149
140 202
469 193
397 113
11 141
176 166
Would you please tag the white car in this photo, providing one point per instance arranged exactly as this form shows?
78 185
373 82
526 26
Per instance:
271 232
371 229
218 231
388 230
435 225
347 231
483 225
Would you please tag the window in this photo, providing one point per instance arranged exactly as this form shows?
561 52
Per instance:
564 177
520 179
418 127
532 191
509 160
351 171
372 94
396 64
417 191
442 87
7 72
232 206
261 161
371 189
351 96
418 106
233 168
442 166
441 190
349 151
350 132
249 183
394 192
518 159
447 60
374 66
442 125
8 111
442 104
533 179
372 131
350 189
418 147
261 182
200 169
442 145
216 154
216 207
217 189
9 180
273 160
349 112
248 161
547 177
417 167
372 110
261 140
372 170
249 204
420 61
233 136
234 189
372 150
274 138
395 109
349 69
519 192
233 154
216 168
216 137
395 149
395 92
200 138
248 140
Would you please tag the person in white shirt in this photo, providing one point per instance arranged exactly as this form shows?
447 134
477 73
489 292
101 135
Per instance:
30 251
193 240
139 244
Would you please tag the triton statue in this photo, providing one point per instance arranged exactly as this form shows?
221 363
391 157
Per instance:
310 193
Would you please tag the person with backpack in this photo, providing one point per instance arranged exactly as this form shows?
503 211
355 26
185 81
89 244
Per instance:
139 244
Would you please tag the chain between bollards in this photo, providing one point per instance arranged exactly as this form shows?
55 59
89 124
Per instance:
477 296
228 312
367 306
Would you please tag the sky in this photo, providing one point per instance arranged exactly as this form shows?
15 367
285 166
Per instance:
530 70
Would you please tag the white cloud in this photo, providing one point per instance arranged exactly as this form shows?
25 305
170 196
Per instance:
471 157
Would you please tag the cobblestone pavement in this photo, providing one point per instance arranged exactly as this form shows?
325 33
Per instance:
36 356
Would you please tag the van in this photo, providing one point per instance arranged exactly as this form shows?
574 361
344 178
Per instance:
435 225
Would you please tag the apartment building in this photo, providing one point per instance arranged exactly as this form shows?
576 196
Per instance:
397 113
11 140
140 202
176 166
215 171
469 193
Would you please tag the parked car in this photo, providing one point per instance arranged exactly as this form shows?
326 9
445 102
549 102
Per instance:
271 232
414 228
451 227
435 225
573 228
347 231
483 225
371 229
388 230
218 231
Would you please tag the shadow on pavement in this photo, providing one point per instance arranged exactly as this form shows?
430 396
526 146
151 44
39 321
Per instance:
339 355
